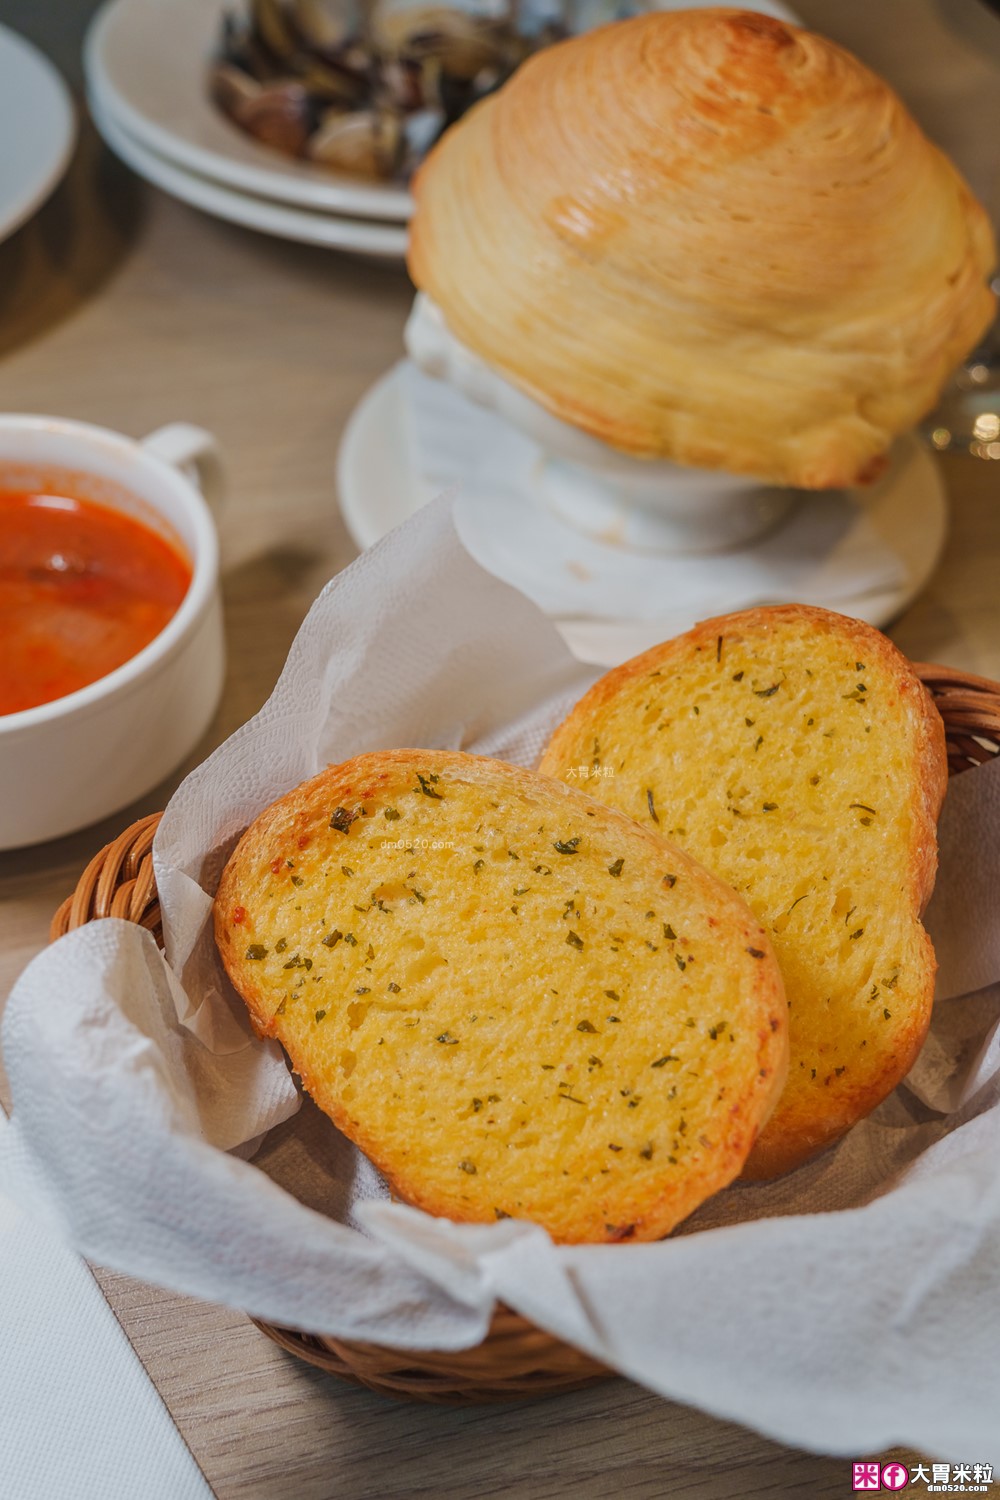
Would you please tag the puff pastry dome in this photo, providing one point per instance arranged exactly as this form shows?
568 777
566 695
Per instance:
712 237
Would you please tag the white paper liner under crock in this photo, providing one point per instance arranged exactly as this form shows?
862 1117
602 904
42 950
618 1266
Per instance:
847 1307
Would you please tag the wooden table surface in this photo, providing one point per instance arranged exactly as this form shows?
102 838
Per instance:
121 307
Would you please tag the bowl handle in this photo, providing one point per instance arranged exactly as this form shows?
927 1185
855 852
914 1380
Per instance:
196 453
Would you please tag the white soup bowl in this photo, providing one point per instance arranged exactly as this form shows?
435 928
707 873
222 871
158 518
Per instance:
79 758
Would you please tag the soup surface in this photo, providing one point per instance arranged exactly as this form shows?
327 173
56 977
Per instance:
83 588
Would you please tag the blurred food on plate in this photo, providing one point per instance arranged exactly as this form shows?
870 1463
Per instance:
368 87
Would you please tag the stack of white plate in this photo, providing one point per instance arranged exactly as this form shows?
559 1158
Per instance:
147 81
37 130
147 65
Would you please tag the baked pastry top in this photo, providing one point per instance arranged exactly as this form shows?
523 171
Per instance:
515 1000
795 753
711 237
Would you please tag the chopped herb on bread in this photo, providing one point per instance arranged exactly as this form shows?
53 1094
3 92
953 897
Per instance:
794 752
515 1000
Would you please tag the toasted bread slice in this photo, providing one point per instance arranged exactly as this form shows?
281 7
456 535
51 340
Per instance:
516 1001
796 753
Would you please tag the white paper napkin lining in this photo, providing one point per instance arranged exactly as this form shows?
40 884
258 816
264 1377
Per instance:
842 1331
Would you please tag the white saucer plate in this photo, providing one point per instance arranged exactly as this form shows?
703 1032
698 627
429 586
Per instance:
581 582
37 130
359 236
147 62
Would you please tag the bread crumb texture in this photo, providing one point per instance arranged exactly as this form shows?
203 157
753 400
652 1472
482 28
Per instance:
515 1000
796 753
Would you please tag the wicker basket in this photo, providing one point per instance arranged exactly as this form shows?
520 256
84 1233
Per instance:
516 1359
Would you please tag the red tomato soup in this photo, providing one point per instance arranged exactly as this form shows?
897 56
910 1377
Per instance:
82 589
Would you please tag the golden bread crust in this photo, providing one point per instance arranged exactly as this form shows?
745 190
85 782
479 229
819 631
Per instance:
796 753
711 237
515 1000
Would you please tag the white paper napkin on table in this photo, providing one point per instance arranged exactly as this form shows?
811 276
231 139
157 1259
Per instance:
849 1306
79 1417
